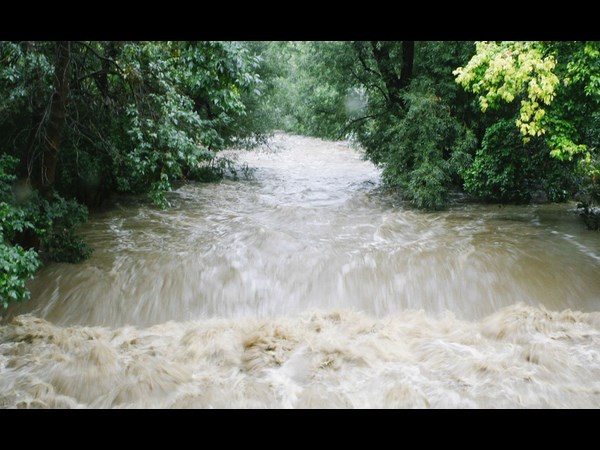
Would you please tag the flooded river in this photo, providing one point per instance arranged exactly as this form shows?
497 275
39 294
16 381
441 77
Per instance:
308 285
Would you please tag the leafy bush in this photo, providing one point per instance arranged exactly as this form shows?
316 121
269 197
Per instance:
46 228
55 223
16 264
423 151
499 170
506 169
140 114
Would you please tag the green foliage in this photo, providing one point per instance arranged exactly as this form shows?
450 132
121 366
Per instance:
55 223
311 93
7 168
507 70
48 227
558 85
423 143
418 132
16 264
424 134
139 115
195 98
158 190
258 120
555 82
138 111
52 223
507 170
498 172
422 151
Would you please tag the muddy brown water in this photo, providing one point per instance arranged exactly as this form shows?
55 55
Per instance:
309 286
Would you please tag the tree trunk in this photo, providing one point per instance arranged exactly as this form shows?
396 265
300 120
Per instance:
394 82
110 53
37 116
56 120
408 57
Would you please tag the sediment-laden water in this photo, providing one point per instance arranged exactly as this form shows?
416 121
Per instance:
309 286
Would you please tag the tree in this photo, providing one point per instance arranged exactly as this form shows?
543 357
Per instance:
401 102
414 125
396 76
87 118
556 86
383 93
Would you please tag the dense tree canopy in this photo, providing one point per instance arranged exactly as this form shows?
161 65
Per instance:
122 115
556 86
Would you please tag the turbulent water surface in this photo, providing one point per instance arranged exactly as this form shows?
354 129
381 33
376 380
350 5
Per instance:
308 286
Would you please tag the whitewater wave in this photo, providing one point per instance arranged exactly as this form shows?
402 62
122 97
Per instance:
520 356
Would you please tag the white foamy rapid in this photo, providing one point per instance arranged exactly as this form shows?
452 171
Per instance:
518 357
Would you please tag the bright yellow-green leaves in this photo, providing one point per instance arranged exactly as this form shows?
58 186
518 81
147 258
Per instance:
507 70
562 110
